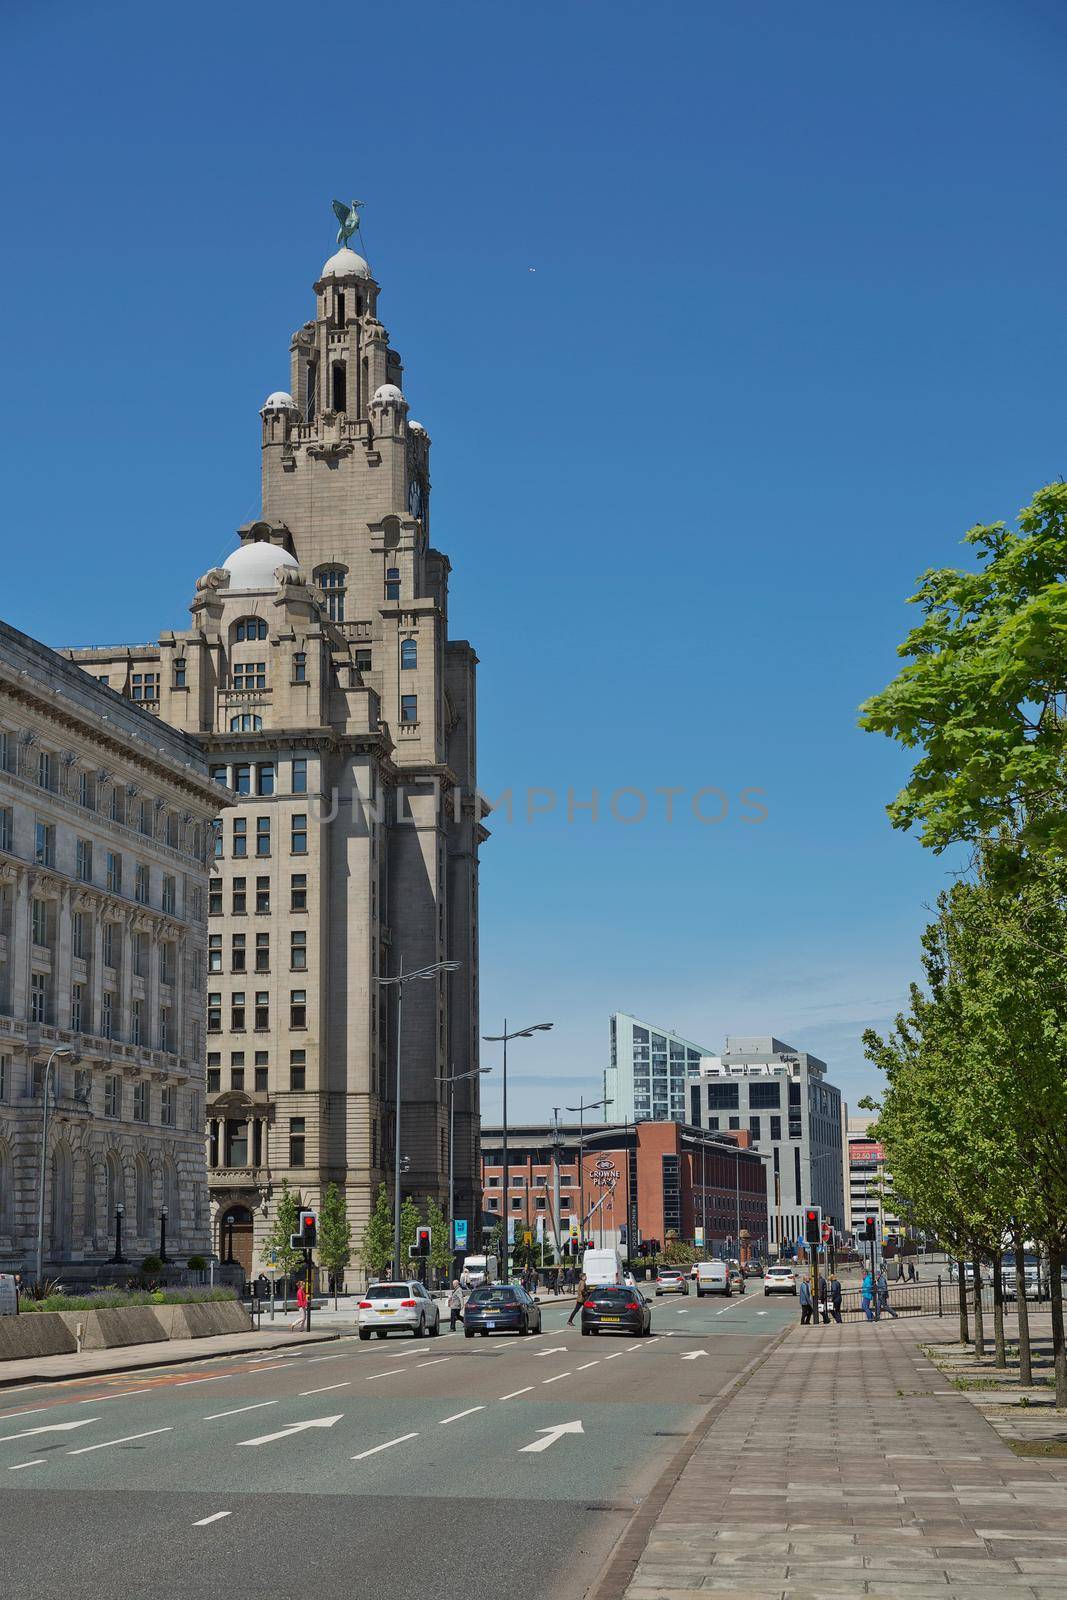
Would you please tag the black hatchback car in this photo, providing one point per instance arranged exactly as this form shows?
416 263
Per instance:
500 1308
607 1309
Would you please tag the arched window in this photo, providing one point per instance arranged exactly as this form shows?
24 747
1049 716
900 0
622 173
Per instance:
62 1198
338 386
171 1198
116 1186
246 723
7 1190
249 628
143 1174
409 653
331 580
392 583
89 1181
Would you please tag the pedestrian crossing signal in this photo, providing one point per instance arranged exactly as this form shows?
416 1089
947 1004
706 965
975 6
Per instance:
422 1241
870 1228
305 1237
813 1225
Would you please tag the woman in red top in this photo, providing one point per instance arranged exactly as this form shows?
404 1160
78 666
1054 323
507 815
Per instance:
302 1302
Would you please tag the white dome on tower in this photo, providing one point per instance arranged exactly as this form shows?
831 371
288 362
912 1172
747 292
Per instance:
254 564
387 395
278 401
346 264
416 427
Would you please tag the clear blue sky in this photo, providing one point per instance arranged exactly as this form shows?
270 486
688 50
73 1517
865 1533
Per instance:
796 321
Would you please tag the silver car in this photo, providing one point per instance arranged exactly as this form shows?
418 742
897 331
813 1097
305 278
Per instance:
398 1307
779 1280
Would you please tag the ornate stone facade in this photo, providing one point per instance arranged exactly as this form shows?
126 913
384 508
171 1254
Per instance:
319 673
105 821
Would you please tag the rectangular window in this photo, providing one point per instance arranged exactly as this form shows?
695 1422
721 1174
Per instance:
220 775
409 708
796 1173
169 896
297 1069
46 769
261 1070
214 1013
296 1141
77 1007
754 1128
179 674
261 1019
113 1096
262 895
239 897
168 1106
776 1128
300 666
79 935
237 1069
298 836
83 866
298 1008
140 887
722 1096
7 828
240 836
237 1011
300 776
144 686
764 1096
140 955
137 1022
363 661
298 891
237 952
112 944
265 777
214 898
214 952
250 675
44 852
164 1028
216 834
144 818
214 1072
242 777
298 955
107 1022
262 836
262 952
166 963
7 752
39 921
140 1102
114 872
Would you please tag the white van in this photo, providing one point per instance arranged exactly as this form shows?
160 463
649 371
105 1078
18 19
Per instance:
713 1277
481 1269
602 1267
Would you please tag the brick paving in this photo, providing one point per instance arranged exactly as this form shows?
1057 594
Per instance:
844 1468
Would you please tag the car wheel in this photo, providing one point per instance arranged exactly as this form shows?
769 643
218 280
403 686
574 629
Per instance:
380 1332
436 1329
485 1333
468 1333
364 1334
700 1294
766 1292
419 1329
586 1332
524 1328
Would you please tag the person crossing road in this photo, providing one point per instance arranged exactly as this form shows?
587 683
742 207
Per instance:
579 1297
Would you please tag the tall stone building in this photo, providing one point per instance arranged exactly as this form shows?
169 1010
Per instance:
105 817
320 675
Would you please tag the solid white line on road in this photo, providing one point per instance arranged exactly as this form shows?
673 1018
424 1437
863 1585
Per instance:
556 1379
40 1462
394 1372
378 1447
325 1388
130 1437
514 1392
236 1412
50 1427
589 1364
218 1516
217 1379
295 1427
455 1418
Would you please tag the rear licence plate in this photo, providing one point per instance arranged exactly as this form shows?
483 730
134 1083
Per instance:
387 1313
490 1324
611 1319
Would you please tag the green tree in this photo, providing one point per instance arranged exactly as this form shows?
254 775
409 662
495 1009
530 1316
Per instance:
984 694
440 1245
409 1223
376 1246
335 1233
278 1246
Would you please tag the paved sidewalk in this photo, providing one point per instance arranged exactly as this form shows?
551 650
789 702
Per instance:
844 1468
160 1353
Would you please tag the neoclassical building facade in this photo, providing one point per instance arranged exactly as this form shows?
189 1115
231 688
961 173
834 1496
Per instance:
105 827
320 676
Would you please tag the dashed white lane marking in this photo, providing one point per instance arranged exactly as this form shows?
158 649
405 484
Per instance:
556 1379
217 1379
5 1416
217 1517
325 1388
515 1392
238 1409
130 1437
338 1357
616 1355
120 1396
456 1416
394 1372
254 1371
589 1364
363 1454
436 1362
40 1462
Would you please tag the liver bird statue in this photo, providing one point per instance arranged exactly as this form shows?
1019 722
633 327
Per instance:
348 216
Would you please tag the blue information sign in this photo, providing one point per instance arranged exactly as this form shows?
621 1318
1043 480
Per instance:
459 1233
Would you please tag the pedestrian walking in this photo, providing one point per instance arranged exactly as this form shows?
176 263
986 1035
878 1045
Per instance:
835 1299
901 1274
913 1276
301 1322
824 1297
805 1302
578 1298
465 1281
455 1305
883 1296
867 1296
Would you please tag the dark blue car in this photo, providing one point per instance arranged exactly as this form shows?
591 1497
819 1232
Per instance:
500 1308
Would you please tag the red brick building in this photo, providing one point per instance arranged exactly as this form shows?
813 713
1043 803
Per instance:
635 1182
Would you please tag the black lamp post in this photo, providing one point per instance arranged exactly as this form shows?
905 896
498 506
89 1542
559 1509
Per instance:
163 1233
118 1257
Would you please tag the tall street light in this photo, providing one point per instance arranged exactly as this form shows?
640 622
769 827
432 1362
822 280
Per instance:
417 974
582 1107
61 1053
502 1038
452 1079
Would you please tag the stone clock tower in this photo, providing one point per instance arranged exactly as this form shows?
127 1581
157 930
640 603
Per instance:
320 674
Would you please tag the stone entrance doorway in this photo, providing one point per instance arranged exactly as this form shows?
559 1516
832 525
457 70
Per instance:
235 1237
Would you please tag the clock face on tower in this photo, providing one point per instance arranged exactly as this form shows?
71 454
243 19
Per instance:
416 496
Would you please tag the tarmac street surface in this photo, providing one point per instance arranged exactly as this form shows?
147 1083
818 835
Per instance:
413 1467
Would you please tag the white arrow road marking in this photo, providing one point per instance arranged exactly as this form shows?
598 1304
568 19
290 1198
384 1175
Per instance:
556 1350
455 1418
50 1427
325 1388
682 1312
238 1409
761 1313
551 1436
38 1463
296 1427
694 1355
363 1454
218 1516
86 1448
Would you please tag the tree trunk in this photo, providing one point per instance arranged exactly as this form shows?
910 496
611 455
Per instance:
961 1286
1000 1357
979 1316
1059 1353
1026 1374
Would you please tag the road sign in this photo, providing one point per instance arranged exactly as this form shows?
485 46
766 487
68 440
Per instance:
698 1233
527 1236
827 1232
459 1234
551 1436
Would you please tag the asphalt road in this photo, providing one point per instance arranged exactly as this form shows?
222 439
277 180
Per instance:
411 1473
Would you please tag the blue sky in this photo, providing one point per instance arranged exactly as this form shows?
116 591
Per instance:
726 321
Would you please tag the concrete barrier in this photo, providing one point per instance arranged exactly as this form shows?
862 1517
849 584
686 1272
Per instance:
43 1334
110 1328
54 1333
198 1319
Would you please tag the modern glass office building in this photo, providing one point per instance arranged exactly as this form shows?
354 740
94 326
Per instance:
646 1081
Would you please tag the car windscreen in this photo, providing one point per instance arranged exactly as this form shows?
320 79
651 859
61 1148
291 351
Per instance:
388 1291
608 1293
494 1297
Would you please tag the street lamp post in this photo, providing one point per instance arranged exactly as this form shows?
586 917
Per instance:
582 1107
60 1053
502 1038
399 979
452 1079
162 1233
118 1257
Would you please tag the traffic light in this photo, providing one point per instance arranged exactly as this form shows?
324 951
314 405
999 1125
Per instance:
422 1241
870 1229
813 1225
305 1237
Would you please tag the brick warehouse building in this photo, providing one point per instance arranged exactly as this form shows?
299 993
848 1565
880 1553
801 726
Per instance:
635 1181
